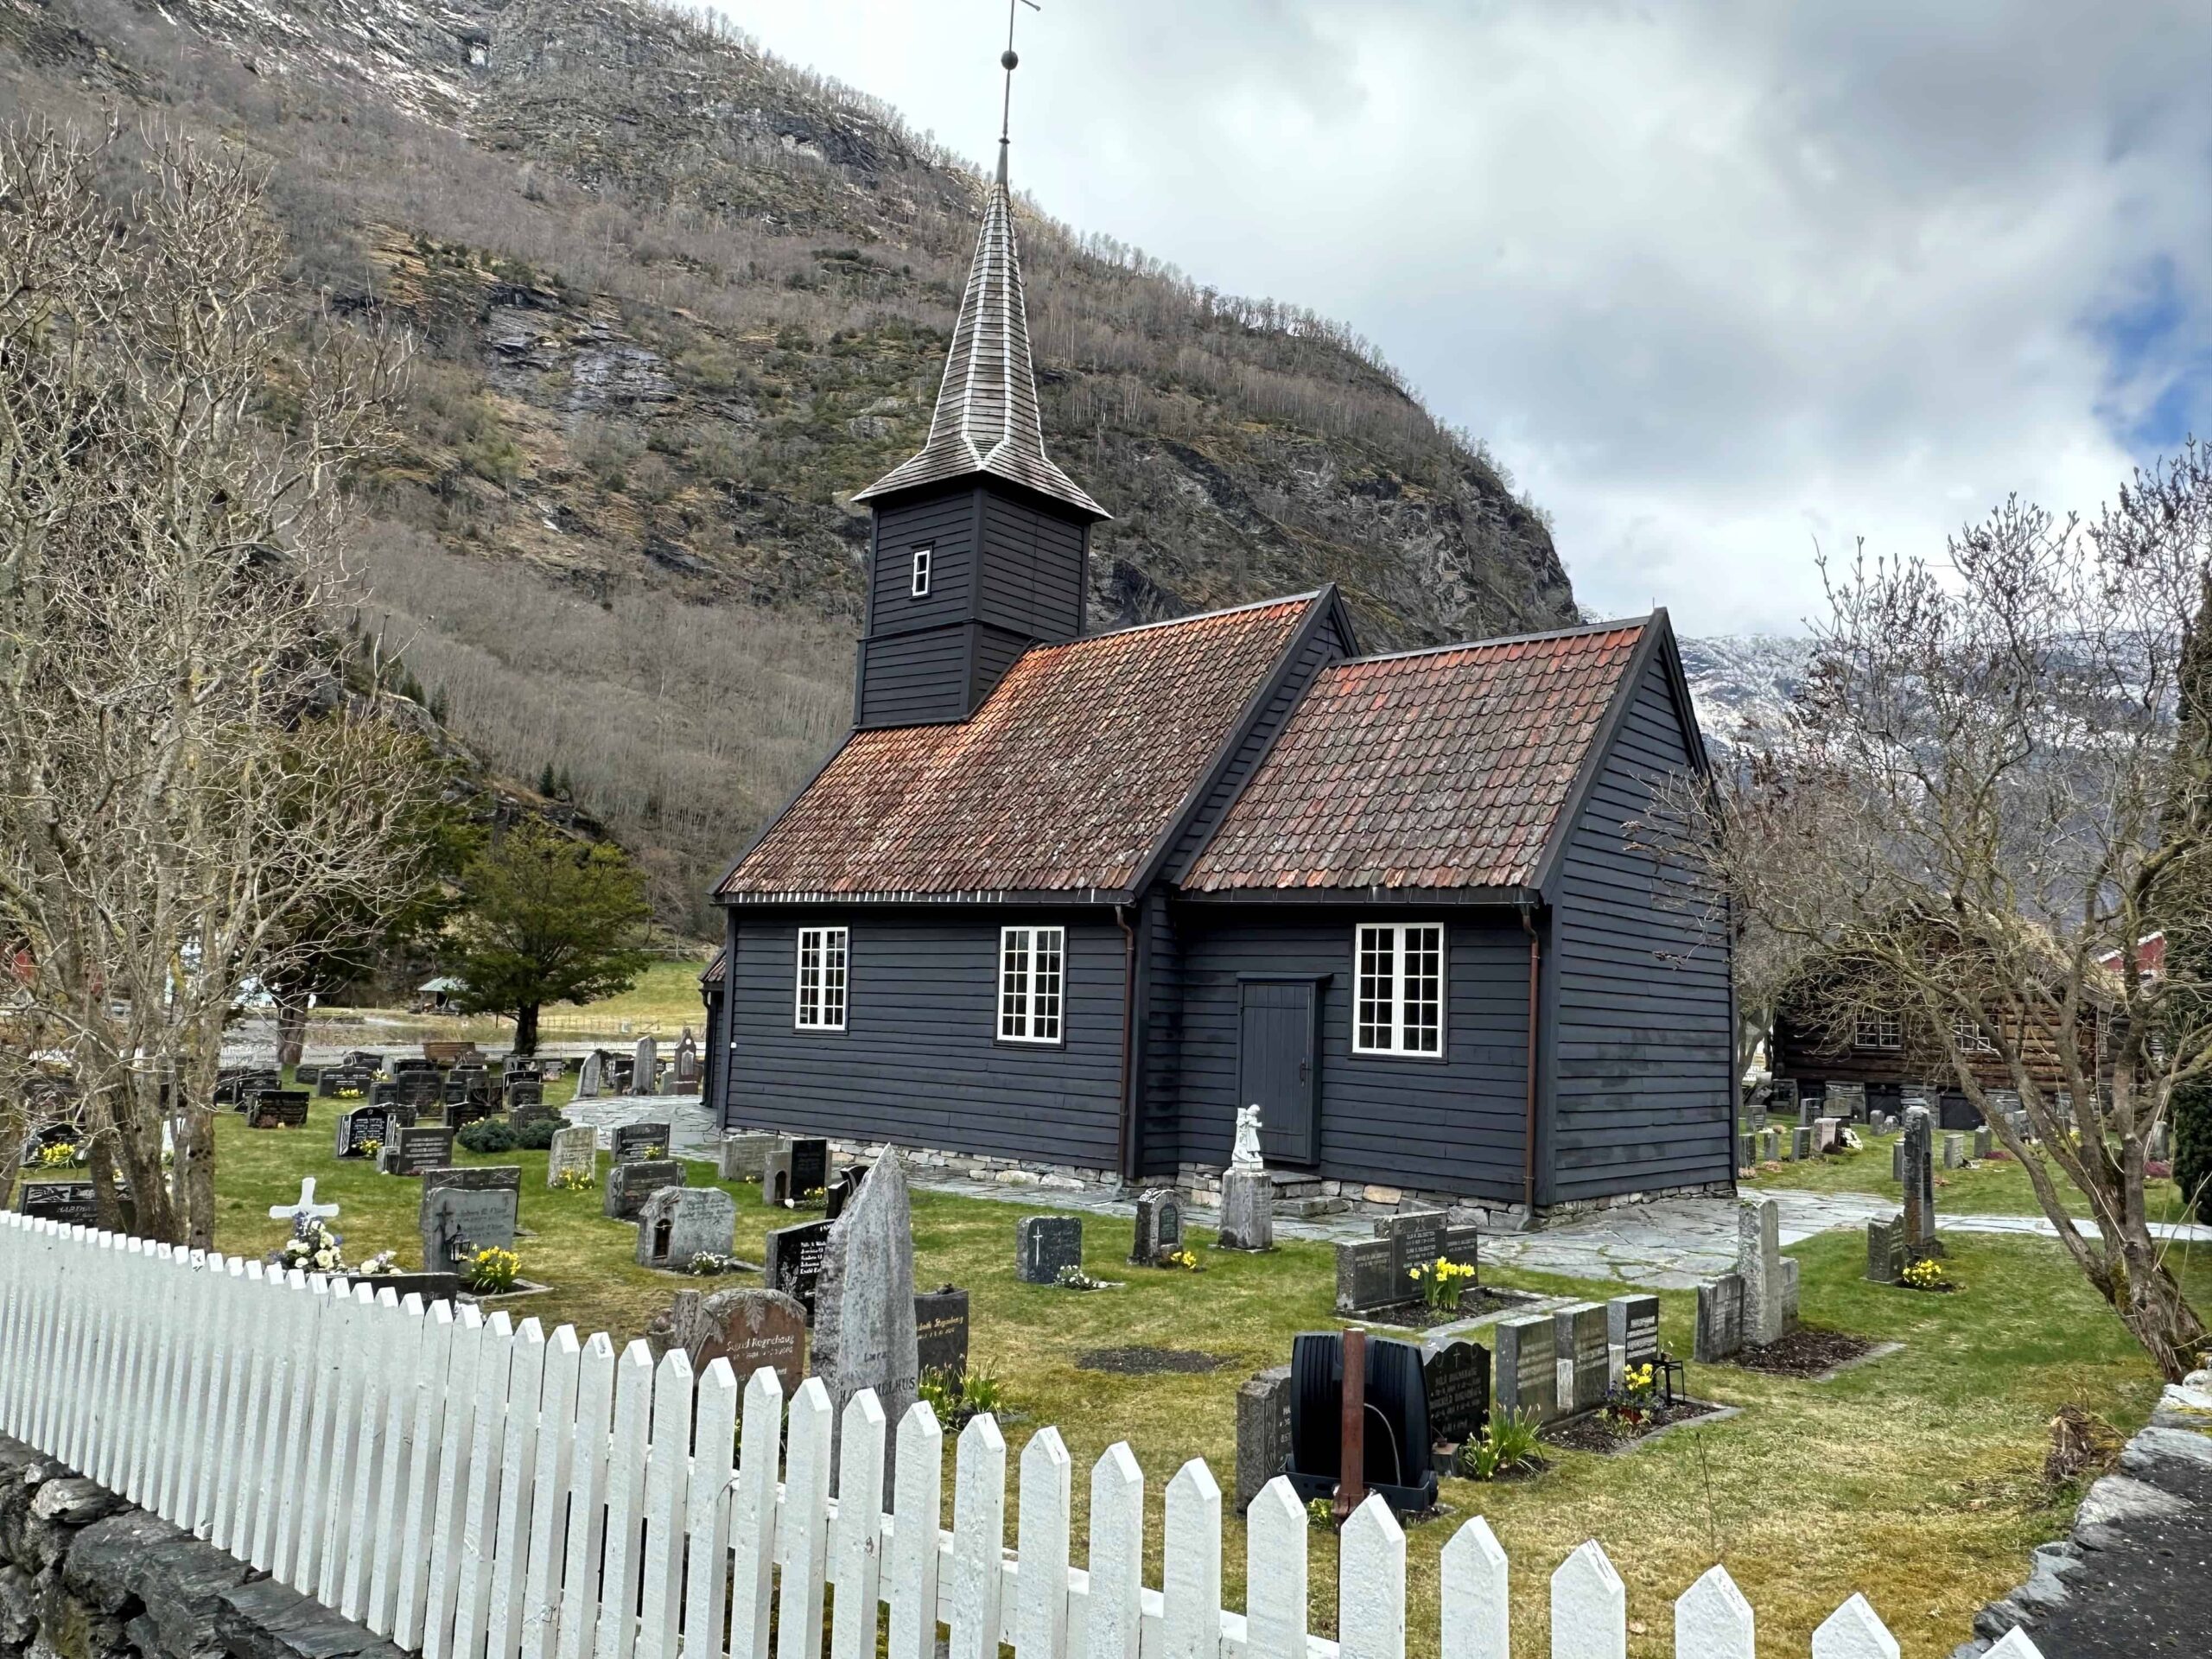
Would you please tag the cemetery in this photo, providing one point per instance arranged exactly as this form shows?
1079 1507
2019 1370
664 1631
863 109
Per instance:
1782 1471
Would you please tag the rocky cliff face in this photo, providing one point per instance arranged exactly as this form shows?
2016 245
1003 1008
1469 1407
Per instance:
675 302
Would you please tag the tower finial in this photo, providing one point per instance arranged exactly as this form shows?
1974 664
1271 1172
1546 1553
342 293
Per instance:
1009 60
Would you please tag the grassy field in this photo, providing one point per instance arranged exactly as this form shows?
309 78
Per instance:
1916 1478
663 1002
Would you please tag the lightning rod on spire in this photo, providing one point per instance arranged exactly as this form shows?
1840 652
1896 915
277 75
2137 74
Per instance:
1009 60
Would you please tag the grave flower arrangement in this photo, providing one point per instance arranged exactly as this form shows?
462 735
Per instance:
707 1264
575 1180
60 1155
382 1262
1186 1259
1072 1277
1507 1448
313 1247
1633 1401
372 1147
492 1272
1927 1273
1442 1282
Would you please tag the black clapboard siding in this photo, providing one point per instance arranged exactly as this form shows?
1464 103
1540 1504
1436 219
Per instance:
1161 1118
996 651
1032 572
918 1061
912 679
1454 1124
947 523
1642 1047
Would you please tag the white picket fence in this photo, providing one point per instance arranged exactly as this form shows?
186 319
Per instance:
475 1490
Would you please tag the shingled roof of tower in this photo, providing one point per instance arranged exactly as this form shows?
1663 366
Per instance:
1063 781
1434 769
987 418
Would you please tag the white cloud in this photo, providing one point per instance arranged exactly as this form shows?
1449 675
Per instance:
1714 280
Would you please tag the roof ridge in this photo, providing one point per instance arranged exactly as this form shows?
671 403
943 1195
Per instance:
1306 598
1615 626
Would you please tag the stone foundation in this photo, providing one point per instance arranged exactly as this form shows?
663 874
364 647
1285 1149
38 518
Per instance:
83 1575
976 1166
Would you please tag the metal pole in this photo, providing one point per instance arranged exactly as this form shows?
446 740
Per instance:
1352 1436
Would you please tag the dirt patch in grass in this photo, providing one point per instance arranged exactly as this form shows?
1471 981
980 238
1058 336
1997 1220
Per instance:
1418 1316
1599 1432
1806 1352
1148 1361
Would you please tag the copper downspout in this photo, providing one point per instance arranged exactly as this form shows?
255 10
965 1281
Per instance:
1528 1146
1351 1426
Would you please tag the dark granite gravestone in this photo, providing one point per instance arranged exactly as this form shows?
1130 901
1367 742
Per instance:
384 1092
842 1188
941 1331
340 1082
1262 1431
618 1070
1375 1276
423 1090
687 1063
1579 1333
468 1086
68 1202
628 1185
413 1149
307 1074
1398 1443
1782 1097
524 1091
1525 1371
1719 1319
810 1165
633 1141
1043 1245
364 1059
465 1211
1458 1389
1160 1226
794 1260
749 1328
1886 1256
235 1084
460 1114
1632 1332
360 1126
278 1109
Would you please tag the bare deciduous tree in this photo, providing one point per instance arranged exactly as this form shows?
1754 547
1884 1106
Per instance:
181 771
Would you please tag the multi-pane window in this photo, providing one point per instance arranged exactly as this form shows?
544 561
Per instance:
921 583
1399 1004
822 979
1032 969
1878 1030
1971 1038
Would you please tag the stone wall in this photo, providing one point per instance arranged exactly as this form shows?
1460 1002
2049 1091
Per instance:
83 1575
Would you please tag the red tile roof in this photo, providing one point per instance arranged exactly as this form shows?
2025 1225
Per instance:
1432 770
1063 781
716 969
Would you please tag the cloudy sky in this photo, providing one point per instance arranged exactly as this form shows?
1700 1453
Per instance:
1717 282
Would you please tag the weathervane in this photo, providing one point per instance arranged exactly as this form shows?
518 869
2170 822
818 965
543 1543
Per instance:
1008 61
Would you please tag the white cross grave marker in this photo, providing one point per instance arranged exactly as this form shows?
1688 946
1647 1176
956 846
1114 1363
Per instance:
306 1209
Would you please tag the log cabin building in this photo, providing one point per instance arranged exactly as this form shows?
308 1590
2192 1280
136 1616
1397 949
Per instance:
1062 900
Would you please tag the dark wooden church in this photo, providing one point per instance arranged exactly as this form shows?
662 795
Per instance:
1069 900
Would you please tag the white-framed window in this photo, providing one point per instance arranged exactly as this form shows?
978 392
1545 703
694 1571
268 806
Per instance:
919 586
1971 1038
1878 1030
824 953
1398 1005
1033 974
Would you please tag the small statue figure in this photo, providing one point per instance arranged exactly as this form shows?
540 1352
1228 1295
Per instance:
1246 1154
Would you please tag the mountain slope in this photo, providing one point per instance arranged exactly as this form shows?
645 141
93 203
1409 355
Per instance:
675 302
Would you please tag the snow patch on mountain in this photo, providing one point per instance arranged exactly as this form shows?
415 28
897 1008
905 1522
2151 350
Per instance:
1744 685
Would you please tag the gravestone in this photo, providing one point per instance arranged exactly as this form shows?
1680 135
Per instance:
1918 1175
278 1109
1827 1135
1806 1108
337 1082
68 1202
1847 1101
810 1166
776 1173
1248 1211
383 1092
236 1086
635 1140
1262 1431
1631 1333
1458 1389
687 1063
794 1260
1886 1256
304 1073
1769 1145
748 1328
941 1331
1783 1094
843 1186
520 1092
1160 1226
1043 1245
360 1126
460 1114
628 1185
1954 1151
678 1223
1758 1264
645 1067
1982 1142
1747 1151
1578 1337
411 1149
1801 1144
422 1089
573 1149
1897 1160
1525 1367
591 1081
364 1059
1375 1276
864 1333
743 1154
465 1211
1719 1319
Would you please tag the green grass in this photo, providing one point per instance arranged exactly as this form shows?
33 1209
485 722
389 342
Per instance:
1916 1479
664 1000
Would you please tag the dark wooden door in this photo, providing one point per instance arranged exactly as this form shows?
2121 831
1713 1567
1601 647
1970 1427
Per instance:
1278 1069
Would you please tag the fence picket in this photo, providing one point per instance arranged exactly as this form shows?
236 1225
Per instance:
856 1540
752 1527
802 1530
518 1492
1275 1591
288 1302
1713 1621
354 1363
449 1498
82 1362
1853 1631
978 1526
411 1351
1589 1607
472 1607
548 1514
707 1513
334 1336
1371 1584
148 1340
225 1387
233 1462
579 1609
626 1504
1114 1611
1474 1584
1191 1565
668 1479
1040 1623
384 1353
177 1419
917 1502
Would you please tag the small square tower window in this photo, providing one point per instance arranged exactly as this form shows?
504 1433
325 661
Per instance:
921 583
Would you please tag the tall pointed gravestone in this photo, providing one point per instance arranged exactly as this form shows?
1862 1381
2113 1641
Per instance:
1918 1176
864 1334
